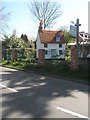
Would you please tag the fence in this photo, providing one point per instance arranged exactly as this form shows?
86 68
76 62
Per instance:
15 54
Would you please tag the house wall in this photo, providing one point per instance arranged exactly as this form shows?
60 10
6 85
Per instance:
37 44
53 46
50 46
84 35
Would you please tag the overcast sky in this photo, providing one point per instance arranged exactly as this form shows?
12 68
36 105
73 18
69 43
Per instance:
21 19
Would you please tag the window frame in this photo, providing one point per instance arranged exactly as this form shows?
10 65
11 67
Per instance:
81 35
57 38
45 45
46 52
60 45
86 36
61 52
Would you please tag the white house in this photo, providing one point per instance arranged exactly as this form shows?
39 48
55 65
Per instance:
84 44
52 42
84 36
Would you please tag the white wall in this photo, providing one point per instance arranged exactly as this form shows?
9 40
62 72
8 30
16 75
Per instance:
50 46
37 44
84 35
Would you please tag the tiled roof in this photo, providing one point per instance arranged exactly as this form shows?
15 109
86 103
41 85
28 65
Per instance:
49 36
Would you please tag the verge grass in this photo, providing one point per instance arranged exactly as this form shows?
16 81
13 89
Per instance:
58 69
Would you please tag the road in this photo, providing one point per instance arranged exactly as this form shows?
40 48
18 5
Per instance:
29 95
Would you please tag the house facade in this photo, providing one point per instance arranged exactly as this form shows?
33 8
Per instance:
84 36
84 48
52 42
84 44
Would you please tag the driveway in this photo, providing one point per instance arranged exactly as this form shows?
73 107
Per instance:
29 95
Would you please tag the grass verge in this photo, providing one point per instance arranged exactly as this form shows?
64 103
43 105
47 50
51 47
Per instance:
61 69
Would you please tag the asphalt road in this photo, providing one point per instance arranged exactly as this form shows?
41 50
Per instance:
29 95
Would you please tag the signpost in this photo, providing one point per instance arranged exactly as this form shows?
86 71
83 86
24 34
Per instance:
77 31
74 32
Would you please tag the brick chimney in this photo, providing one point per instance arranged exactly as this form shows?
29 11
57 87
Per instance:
40 27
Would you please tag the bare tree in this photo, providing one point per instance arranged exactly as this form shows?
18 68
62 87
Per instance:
46 12
3 19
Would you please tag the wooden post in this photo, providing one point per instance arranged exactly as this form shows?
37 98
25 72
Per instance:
13 55
74 58
41 56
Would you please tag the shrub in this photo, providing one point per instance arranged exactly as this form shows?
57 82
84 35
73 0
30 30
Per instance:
15 63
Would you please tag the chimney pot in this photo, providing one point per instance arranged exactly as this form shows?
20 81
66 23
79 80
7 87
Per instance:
40 27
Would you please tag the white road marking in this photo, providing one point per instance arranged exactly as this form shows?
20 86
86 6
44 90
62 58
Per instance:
11 89
72 113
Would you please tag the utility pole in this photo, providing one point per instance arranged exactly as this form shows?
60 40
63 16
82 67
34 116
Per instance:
77 33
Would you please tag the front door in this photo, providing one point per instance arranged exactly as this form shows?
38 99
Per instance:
53 53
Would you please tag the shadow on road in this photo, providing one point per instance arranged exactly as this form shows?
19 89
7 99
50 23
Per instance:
34 92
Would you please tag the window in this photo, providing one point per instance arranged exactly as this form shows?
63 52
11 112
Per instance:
86 36
45 45
46 52
60 52
81 35
58 38
60 45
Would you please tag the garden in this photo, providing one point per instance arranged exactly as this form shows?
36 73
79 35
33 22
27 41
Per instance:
20 53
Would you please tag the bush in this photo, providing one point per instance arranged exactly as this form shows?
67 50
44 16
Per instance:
16 64
5 62
68 55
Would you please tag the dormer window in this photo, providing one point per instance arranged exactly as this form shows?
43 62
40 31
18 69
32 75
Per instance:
57 38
